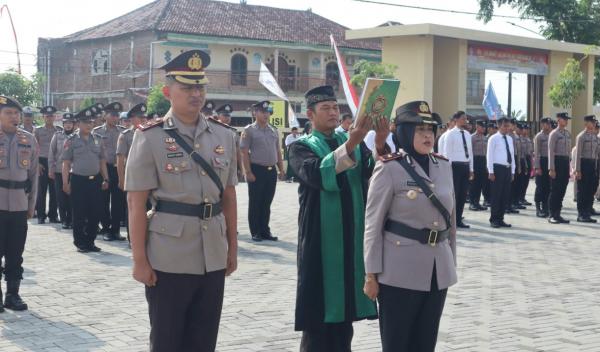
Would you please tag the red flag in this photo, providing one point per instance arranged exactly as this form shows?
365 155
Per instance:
351 97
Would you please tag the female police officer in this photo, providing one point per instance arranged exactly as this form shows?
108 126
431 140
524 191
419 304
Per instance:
410 234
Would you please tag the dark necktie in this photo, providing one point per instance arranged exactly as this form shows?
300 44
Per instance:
508 156
462 134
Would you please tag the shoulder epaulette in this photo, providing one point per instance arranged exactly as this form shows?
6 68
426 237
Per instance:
213 120
126 130
98 127
439 156
150 124
392 156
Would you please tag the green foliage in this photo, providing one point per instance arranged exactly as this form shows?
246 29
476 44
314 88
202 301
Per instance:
87 102
364 69
568 86
518 114
157 102
25 90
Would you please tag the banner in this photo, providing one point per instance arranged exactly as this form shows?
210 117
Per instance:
351 97
490 103
488 57
268 81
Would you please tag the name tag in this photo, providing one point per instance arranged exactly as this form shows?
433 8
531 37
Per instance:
412 183
175 155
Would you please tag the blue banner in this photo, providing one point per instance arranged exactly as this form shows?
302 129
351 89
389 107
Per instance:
490 103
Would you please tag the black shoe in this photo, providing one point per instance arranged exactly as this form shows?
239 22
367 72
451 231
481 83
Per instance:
524 202
108 237
54 221
64 226
586 219
503 224
495 224
511 211
593 212
41 221
82 249
562 220
256 238
486 203
69 226
269 237
103 231
474 207
482 207
553 220
93 248
12 300
462 225
113 237
1 304
519 206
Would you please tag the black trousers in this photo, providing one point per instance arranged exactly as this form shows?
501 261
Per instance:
113 203
86 197
331 338
526 175
64 200
517 184
480 177
409 320
542 183
486 190
13 233
500 192
559 184
260 197
460 175
586 187
185 311
45 184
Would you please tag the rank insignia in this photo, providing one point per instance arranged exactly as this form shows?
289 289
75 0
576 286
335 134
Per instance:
25 162
220 150
169 167
169 140
412 194
172 148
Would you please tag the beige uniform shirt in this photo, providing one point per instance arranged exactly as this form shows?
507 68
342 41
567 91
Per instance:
18 162
124 142
263 144
44 137
85 154
540 148
479 142
56 149
400 261
178 243
109 137
559 144
587 148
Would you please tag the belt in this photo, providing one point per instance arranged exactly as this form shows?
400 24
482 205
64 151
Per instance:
13 184
86 177
562 157
266 167
424 236
204 211
502 165
461 162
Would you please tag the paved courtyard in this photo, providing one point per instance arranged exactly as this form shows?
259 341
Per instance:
535 287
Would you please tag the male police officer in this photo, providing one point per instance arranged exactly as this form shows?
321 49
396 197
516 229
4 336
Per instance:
18 186
27 120
186 163
559 149
540 163
585 169
55 169
84 177
113 200
137 117
224 116
44 134
480 174
261 153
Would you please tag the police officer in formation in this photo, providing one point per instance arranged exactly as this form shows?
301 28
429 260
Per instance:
136 116
514 206
559 149
84 177
27 120
113 201
480 175
186 164
261 154
18 187
585 169
44 135
540 163
526 163
224 115
55 169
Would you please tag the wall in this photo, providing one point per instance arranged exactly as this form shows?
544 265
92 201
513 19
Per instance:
449 76
584 104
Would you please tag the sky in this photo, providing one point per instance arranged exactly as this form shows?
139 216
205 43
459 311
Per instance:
56 18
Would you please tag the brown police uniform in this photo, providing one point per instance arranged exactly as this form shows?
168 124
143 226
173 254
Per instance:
559 151
44 136
585 165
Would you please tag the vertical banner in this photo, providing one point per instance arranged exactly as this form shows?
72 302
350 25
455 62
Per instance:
490 103
268 81
351 97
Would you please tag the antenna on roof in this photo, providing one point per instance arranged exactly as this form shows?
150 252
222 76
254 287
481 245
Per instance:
243 2
309 9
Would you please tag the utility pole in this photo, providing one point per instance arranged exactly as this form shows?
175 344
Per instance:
14 34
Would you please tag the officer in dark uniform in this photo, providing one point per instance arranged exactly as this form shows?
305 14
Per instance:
585 169
261 152
559 150
527 144
113 202
44 134
84 165
540 163
18 186
55 169
480 174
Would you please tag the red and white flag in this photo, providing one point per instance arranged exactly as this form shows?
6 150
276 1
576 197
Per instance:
351 96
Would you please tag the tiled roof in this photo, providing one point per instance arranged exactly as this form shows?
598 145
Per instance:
225 19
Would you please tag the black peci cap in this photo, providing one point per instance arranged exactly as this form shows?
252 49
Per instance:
188 67
319 94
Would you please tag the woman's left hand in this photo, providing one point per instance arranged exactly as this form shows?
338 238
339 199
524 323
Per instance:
371 289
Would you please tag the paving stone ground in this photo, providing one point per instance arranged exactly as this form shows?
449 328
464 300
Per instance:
535 287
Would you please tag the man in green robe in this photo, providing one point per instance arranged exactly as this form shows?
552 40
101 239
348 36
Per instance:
333 170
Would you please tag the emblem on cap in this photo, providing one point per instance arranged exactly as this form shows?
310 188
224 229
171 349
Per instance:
423 107
195 62
88 113
143 108
3 100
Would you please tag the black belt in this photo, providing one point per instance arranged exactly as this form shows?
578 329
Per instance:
424 236
502 165
204 211
13 184
265 166
561 157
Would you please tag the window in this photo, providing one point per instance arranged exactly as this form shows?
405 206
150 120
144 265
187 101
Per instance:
473 84
239 70
332 75
100 62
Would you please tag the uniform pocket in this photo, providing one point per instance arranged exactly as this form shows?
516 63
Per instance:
24 159
166 224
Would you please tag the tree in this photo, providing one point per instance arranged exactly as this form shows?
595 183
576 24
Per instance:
364 69
25 90
568 86
157 102
576 21
86 103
